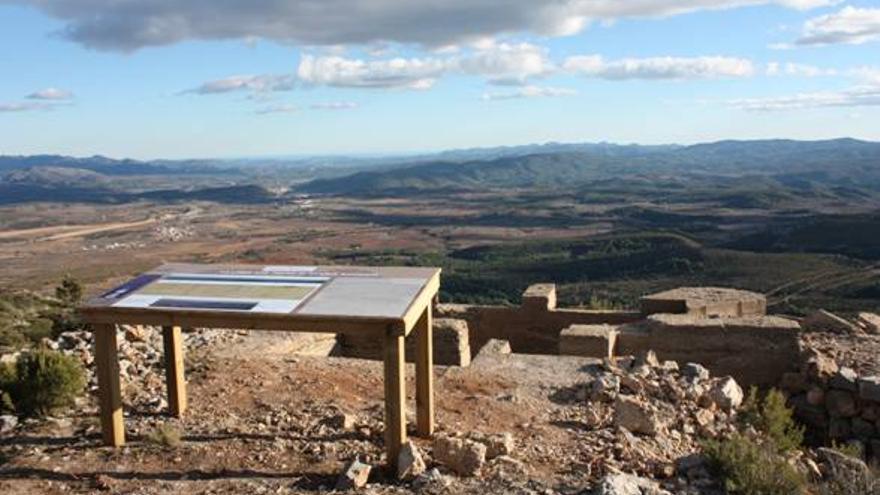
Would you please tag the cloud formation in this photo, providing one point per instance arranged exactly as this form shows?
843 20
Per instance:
676 68
530 92
24 106
850 25
128 25
334 105
52 94
798 70
264 83
853 97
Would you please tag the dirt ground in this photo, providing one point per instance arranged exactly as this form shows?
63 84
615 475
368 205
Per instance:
261 423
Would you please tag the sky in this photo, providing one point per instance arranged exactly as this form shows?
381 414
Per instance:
248 78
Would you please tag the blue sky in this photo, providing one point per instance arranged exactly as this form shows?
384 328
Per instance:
205 78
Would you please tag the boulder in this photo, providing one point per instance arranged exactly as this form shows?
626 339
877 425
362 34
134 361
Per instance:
501 444
726 394
627 484
636 415
869 388
821 367
605 387
826 321
840 404
870 322
355 476
845 379
844 470
461 455
8 422
695 371
410 463
342 421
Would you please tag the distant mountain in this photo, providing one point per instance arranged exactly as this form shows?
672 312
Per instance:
111 166
55 176
846 163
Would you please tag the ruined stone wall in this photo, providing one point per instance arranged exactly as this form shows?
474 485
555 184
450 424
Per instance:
756 350
451 344
836 403
534 326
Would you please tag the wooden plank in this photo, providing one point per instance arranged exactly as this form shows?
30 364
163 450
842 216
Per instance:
109 392
174 371
395 397
414 312
425 374
228 320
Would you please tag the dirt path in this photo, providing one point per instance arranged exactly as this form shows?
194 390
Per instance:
58 232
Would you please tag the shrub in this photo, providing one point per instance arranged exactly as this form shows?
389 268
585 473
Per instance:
750 467
69 291
44 381
7 378
165 435
773 418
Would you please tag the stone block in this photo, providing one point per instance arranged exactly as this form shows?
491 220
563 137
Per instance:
869 322
540 297
869 388
588 340
706 302
826 321
840 404
845 379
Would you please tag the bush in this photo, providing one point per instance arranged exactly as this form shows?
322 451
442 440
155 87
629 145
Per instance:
757 465
43 381
773 418
750 467
165 435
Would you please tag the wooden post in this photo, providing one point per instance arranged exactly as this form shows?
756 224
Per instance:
174 379
395 397
425 374
109 392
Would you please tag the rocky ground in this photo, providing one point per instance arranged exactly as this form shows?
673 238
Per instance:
273 422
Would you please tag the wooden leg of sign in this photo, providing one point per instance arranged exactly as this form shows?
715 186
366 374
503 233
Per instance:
109 392
424 374
174 380
395 397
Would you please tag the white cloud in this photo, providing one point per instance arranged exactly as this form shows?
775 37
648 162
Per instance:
54 94
409 73
506 63
126 25
283 108
334 105
798 70
850 25
659 67
25 106
530 92
852 97
265 83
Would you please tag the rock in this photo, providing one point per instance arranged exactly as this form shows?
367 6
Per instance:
648 358
635 415
826 321
695 371
794 382
499 444
726 394
870 322
355 475
816 396
627 484
495 346
136 333
605 387
840 467
869 388
862 428
506 466
669 365
342 421
8 422
821 367
432 480
463 456
845 379
409 462
839 428
840 404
